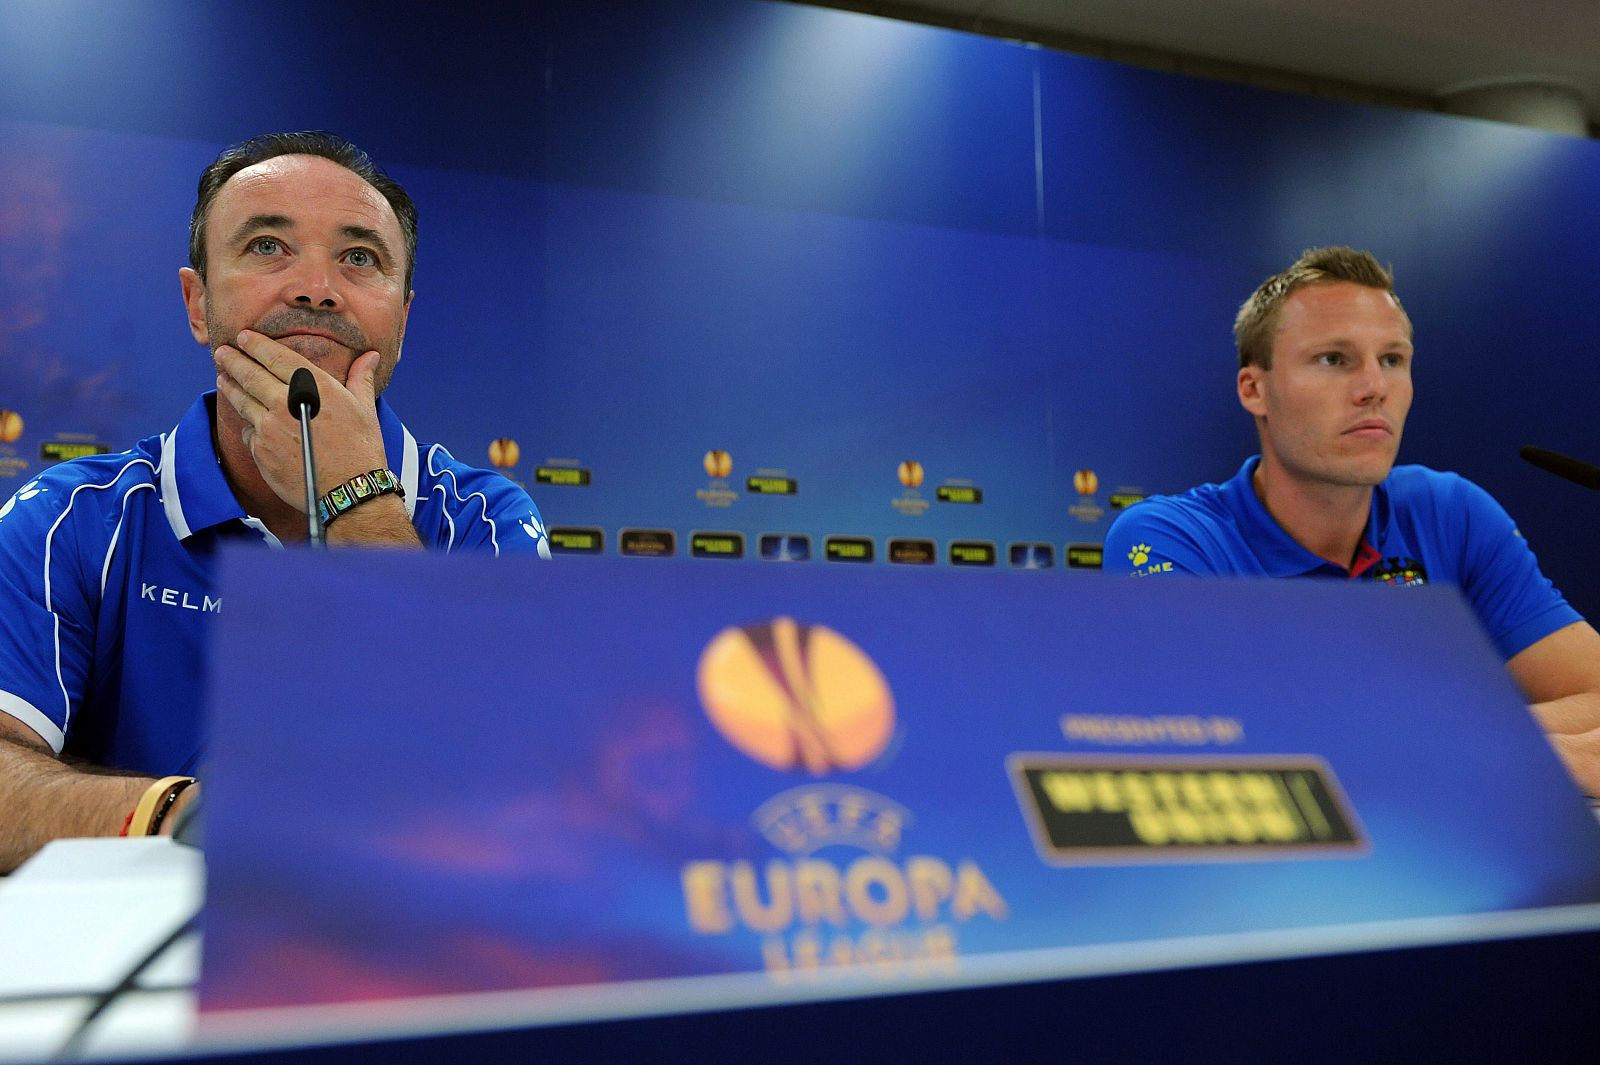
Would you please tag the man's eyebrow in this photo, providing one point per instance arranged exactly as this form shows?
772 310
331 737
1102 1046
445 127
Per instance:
371 236
260 221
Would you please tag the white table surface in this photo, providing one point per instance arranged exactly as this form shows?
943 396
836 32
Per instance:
74 920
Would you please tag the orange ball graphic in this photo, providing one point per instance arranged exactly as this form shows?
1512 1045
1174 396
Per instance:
911 473
504 452
795 696
10 426
1086 482
718 463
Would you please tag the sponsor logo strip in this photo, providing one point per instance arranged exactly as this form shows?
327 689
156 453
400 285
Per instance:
647 543
716 545
567 540
1113 810
562 475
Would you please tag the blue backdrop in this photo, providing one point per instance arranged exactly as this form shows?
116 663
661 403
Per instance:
823 242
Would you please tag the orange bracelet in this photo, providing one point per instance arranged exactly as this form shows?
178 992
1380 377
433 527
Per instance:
154 804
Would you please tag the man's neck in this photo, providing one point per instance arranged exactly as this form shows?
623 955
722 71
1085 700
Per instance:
244 479
1329 520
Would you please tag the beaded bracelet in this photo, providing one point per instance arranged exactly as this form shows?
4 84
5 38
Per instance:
357 490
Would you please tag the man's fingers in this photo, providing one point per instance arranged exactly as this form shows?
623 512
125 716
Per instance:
279 360
359 379
250 376
250 409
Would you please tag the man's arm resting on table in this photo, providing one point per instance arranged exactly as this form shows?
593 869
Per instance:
1560 675
42 799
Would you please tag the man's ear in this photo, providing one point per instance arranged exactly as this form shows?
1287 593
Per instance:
1251 387
194 300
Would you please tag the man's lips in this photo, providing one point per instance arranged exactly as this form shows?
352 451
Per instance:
310 333
1370 429
288 322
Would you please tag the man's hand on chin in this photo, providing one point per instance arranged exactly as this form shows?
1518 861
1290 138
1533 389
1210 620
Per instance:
254 379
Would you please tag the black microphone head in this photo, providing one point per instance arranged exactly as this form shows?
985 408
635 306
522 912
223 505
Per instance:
303 393
1563 466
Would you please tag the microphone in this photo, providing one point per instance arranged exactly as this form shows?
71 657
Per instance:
303 393
304 403
1563 466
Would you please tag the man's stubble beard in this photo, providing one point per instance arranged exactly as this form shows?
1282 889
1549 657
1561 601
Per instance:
349 335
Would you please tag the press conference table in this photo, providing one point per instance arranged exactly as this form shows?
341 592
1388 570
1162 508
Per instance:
81 914
74 920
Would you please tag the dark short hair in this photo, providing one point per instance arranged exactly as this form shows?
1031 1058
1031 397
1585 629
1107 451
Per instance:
317 142
1257 323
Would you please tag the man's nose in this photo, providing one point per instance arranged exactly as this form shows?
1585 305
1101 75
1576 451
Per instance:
1372 384
313 284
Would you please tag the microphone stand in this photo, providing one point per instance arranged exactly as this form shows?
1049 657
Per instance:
305 402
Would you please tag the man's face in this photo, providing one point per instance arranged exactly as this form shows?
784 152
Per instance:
1332 406
304 251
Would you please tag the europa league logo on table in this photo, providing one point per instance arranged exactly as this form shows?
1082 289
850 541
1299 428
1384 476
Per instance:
799 697
795 696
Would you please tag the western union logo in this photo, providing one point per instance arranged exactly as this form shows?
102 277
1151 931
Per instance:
1109 810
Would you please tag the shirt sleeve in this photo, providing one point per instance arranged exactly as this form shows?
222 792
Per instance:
484 511
47 639
1500 577
1149 539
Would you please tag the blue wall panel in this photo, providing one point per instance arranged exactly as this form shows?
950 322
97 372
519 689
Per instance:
822 241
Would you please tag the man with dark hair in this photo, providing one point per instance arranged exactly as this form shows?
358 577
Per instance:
310 142
302 253
1325 370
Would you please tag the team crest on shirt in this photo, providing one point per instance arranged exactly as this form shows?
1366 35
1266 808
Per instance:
1400 572
25 493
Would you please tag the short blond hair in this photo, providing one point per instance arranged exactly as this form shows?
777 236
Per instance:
1257 322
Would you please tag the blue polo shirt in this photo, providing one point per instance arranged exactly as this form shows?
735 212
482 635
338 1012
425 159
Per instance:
1425 527
107 591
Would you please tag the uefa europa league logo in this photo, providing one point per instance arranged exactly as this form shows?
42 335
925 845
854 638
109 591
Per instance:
794 696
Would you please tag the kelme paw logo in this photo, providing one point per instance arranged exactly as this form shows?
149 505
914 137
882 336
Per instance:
25 493
535 530
1140 554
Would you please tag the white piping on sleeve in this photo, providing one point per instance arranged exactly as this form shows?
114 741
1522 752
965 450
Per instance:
455 490
49 600
29 715
444 508
116 534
